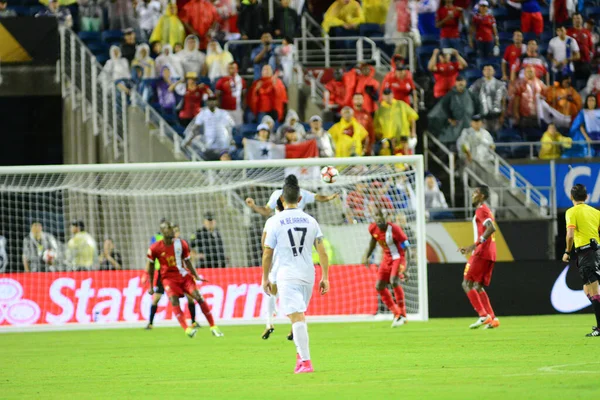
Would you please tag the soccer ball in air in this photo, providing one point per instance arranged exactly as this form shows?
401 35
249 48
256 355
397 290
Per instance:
48 256
329 174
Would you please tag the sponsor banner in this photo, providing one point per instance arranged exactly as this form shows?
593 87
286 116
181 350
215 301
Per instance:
112 296
517 288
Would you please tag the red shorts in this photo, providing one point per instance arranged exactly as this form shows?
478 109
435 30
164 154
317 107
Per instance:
532 22
479 270
179 286
390 268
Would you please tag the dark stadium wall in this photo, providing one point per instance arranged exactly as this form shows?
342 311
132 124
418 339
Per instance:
517 288
32 128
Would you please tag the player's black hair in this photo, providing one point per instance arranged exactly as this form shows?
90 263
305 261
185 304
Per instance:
579 192
561 27
291 190
484 190
460 78
279 204
291 180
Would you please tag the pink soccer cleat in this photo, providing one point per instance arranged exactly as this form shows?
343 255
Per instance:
298 363
305 367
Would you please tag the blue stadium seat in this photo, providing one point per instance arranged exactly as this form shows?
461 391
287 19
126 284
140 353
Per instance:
500 14
89 36
543 48
179 129
430 40
327 125
102 58
33 10
505 36
97 47
20 10
592 12
546 36
112 36
370 30
248 128
545 11
472 74
484 61
512 25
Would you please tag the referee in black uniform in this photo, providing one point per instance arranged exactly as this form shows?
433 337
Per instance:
582 250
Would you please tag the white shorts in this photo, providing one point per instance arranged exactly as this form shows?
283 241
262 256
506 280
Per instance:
293 297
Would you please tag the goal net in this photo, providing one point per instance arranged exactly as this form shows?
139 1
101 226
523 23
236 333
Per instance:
74 239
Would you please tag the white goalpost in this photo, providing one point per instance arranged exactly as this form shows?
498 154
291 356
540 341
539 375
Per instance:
72 284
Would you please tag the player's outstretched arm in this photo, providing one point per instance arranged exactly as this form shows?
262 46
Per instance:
322 199
370 251
267 259
192 269
324 261
264 211
150 270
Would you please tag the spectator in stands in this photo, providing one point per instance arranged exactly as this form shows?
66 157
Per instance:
62 14
264 55
434 199
192 59
214 125
401 84
394 120
512 54
531 17
168 59
81 248
562 51
177 48
475 143
427 11
563 97
483 31
169 28
165 90
317 8
448 18
35 248
121 14
453 113
323 138
587 126
365 119
116 68
285 21
492 96
335 90
142 59
362 80
285 59
375 11
342 19
147 12
583 37
364 200
155 50
252 21
553 143
207 247
445 71
525 99
268 121
227 27
348 135
129 44
292 120
267 96
110 259
6 12
263 132
402 22
193 98
133 83
592 86
231 92
289 136
200 17
531 58
217 61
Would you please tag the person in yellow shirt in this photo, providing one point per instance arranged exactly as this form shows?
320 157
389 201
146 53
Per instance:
375 11
395 119
343 19
348 135
81 248
553 143
581 250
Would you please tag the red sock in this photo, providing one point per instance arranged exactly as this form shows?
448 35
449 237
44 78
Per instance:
180 317
206 311
476 302
386 297
485 302
399 293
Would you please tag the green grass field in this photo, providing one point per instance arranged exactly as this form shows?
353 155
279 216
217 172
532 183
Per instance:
527 358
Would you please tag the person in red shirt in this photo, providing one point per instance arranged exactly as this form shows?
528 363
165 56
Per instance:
362 80
393 268
448 19
198 17
445 71
484 30
512 54
525 98
335 91
231 91
531 58
401 84
365 119
178 276
479 268
583 37
267 96
193 98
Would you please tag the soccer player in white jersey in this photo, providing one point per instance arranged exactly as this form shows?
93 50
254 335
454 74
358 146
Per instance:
306 197
292 233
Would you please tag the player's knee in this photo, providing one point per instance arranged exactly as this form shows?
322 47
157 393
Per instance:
379 286
466 285
296 317
395 281
477 286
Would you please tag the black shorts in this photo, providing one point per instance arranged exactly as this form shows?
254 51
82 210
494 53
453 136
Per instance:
588 263
160 289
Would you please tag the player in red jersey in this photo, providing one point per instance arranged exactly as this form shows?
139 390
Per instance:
478 271
177 274
395 244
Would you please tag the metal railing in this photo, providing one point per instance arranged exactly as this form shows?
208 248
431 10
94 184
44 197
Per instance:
431 145
535 145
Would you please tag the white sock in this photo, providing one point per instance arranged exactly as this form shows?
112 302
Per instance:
270 310
301 339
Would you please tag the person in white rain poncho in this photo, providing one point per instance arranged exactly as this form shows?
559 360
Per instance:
143 60
217 61
292 120
192 59
168 59
475 143
116 67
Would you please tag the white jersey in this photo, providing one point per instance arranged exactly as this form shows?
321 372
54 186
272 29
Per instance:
306 198
291 233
